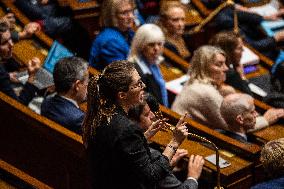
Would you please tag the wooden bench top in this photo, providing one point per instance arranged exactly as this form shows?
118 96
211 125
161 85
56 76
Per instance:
22 176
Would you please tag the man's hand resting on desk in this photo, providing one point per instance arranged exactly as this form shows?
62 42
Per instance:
272 115
195 164
33 67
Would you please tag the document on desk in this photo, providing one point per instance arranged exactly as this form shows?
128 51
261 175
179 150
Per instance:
176 85
222 162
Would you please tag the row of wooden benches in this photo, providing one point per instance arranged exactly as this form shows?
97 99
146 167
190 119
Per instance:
56 156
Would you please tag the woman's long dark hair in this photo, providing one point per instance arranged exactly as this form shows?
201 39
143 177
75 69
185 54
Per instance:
102 95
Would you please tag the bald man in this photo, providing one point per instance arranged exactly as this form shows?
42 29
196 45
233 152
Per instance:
238 111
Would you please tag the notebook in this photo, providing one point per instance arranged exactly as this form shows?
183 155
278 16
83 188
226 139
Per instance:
176 85
44 76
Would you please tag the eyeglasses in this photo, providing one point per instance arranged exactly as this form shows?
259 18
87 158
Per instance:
139 84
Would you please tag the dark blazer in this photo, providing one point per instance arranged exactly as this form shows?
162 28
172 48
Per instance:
234 136
63 112
277 183
171 181
151 85
26 95
234 79
121 157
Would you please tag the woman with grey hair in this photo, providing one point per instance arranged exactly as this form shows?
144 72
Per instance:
273 162
113 42
146 54
203 94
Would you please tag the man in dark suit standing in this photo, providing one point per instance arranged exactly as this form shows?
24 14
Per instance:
238 111
71 79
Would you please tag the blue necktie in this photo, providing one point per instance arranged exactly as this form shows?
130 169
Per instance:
161 82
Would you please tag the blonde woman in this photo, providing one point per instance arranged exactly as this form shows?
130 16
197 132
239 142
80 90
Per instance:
203 94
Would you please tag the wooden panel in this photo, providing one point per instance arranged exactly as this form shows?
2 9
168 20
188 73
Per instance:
40 147
238 170
26 49
201 7
22 176
270 133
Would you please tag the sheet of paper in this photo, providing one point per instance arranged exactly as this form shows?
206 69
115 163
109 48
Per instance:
175 86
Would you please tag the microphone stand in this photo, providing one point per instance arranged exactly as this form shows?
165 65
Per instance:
172 128
203 139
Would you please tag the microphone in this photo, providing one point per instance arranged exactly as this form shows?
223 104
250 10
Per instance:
203 139
196 137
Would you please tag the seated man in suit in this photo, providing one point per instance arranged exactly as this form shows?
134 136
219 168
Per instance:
6 45
238 111
71 79
273 163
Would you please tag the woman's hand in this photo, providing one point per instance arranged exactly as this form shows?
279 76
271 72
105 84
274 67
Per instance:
33 67
154 128
13 77
180 131
180 153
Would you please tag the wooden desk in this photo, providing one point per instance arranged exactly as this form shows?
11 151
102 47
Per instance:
87 14
21 177
25 50
239 172
41 148
84 9
201 7
270 133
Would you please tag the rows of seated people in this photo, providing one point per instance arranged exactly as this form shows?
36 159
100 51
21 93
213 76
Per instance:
205 96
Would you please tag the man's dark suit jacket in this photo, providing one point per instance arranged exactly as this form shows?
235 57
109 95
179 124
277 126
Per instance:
26 94
234 136
63 112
